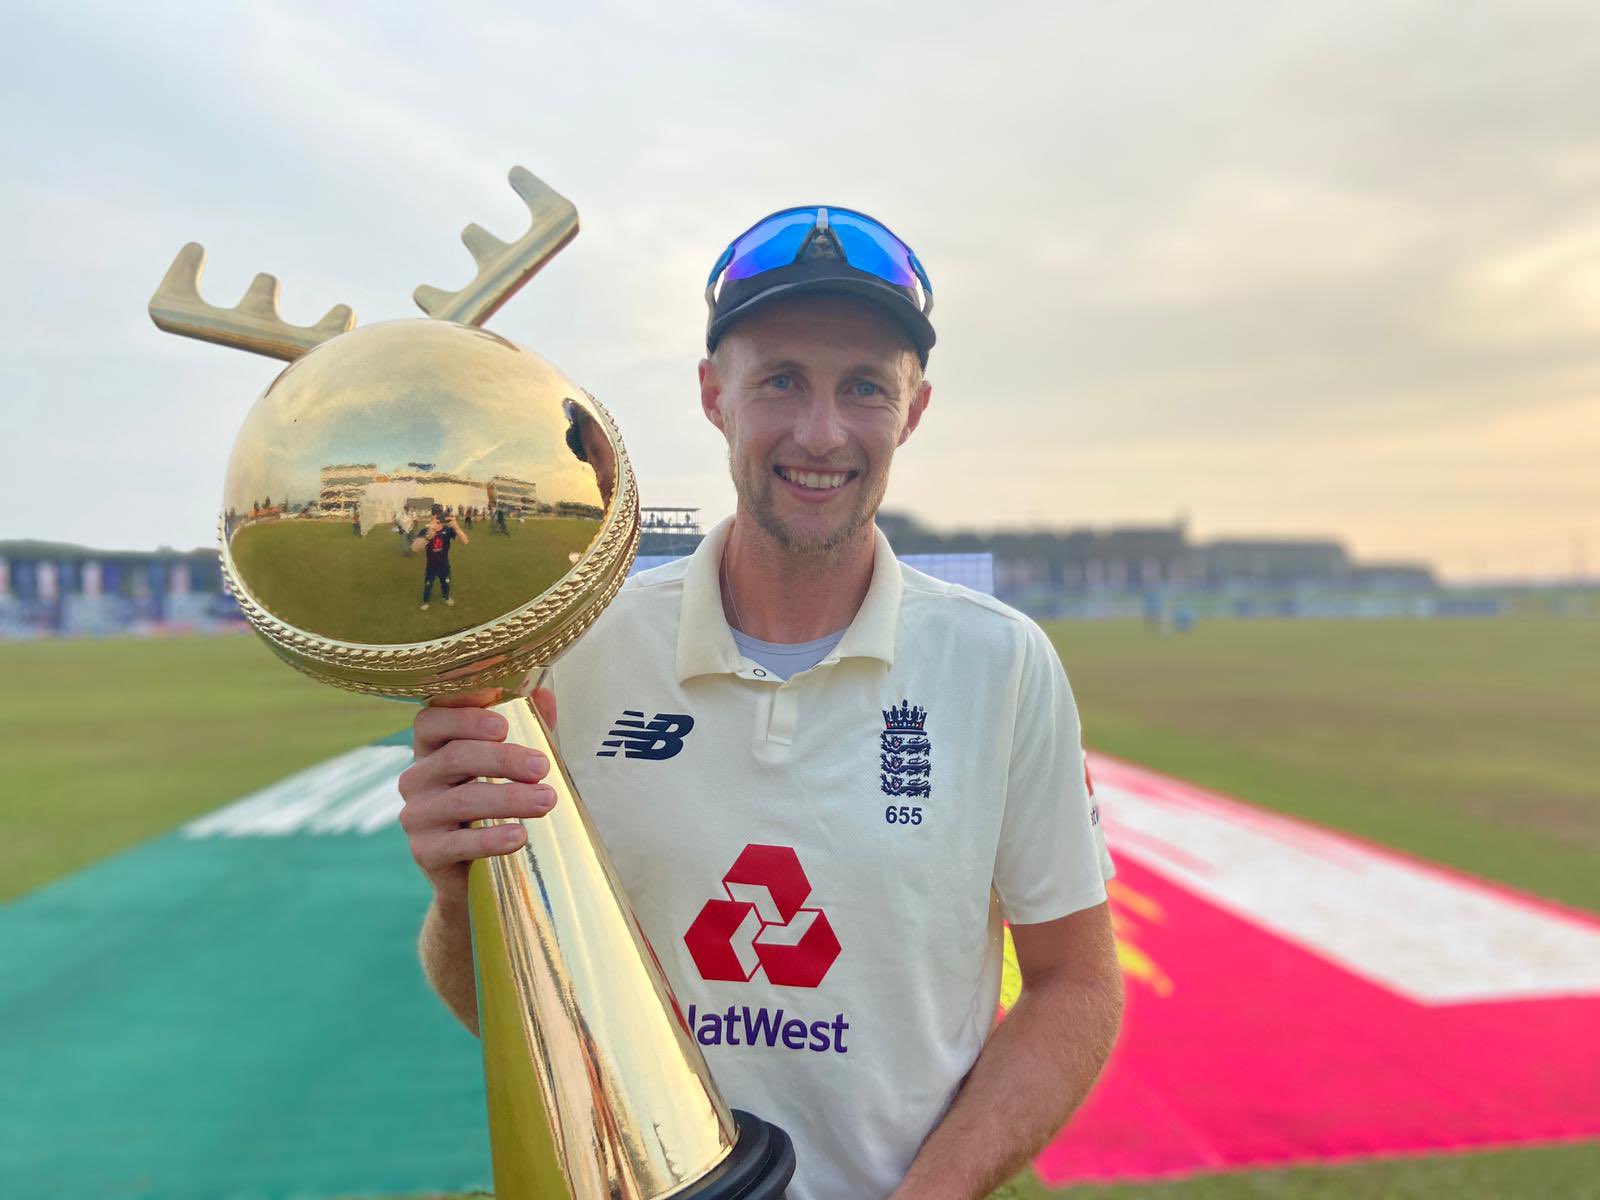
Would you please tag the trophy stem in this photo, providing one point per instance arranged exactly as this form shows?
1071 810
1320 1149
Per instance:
595 1087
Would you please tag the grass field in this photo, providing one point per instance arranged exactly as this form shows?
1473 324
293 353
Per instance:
104 744
317 575
1545 1173
1469 743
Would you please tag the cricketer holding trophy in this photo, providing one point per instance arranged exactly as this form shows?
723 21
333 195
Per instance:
825 778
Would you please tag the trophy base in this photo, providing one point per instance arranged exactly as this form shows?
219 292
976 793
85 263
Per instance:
759 1168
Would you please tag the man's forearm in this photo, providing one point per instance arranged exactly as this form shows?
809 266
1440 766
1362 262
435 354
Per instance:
446 949
1034 1071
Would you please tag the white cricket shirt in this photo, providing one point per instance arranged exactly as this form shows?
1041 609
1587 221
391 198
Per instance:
822 865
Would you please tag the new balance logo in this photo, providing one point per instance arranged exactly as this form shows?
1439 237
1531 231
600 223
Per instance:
660 737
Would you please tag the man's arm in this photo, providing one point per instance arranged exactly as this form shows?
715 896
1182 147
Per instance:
446 950
460 532
1036 1067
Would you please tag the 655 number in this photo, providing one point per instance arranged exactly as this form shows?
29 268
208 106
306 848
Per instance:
903 814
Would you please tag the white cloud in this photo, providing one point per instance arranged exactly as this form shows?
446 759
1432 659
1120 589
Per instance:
1543 290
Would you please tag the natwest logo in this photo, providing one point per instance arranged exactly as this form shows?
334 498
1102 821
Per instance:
761 924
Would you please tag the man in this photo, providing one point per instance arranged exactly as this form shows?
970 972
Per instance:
590 445
824 777
442 530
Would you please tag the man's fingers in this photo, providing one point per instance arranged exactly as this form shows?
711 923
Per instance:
437 852
478 699
454 807
483 801
436 726
460 760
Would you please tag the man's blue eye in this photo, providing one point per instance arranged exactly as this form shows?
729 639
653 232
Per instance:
781 382
867 389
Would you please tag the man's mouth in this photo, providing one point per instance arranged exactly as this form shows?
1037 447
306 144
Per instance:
815 481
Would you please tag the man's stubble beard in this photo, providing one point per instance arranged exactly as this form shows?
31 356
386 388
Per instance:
755 496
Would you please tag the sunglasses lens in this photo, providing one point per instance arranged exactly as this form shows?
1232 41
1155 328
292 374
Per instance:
870 247
773 243
867 246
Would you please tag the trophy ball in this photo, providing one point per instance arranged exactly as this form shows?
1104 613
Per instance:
421 507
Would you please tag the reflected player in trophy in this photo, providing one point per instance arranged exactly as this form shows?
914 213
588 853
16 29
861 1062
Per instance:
442 530
824 777
589 445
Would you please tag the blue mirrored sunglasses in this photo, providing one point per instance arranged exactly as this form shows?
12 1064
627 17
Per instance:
777 241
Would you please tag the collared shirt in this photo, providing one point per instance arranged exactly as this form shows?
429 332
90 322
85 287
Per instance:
822 864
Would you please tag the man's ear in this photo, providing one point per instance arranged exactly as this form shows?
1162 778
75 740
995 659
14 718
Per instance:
919 405
711 394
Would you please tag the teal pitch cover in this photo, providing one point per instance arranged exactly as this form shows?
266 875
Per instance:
236 1011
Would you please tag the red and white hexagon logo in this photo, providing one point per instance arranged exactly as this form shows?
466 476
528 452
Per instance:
761 925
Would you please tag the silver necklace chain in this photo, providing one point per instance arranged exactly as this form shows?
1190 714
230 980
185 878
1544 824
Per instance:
733 601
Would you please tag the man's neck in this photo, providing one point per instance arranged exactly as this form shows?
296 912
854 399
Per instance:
780 597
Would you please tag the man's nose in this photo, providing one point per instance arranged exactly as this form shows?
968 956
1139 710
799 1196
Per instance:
820 431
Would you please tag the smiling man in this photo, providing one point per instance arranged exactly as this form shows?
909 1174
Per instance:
825 778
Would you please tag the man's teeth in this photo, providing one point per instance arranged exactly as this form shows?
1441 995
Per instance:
812 479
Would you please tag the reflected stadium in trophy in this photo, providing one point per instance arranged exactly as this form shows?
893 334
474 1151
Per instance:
422 507
330 547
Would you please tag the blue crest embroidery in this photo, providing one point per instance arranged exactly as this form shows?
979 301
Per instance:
905 753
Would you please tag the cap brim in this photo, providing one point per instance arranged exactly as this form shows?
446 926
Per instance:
894 305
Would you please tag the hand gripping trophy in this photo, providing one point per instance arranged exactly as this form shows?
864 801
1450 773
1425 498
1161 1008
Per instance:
372 444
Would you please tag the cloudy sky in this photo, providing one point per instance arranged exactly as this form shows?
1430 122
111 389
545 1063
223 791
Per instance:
1288 269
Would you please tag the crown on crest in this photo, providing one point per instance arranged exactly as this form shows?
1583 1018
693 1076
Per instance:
906 716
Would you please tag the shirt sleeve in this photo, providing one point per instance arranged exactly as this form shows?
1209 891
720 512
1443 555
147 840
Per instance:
1052 858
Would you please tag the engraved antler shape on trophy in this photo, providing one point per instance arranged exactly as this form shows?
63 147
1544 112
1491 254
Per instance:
256 325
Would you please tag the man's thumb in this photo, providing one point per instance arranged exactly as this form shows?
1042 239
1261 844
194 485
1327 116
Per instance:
545 701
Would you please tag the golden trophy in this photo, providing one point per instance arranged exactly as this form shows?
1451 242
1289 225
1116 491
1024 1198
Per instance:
389 459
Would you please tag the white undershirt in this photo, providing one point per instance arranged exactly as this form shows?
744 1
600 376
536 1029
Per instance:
785 659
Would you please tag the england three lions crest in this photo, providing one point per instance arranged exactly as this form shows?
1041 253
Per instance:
905 757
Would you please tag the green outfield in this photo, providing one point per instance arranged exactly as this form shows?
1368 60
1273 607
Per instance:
106 743
319 575
1545 1173
1468 743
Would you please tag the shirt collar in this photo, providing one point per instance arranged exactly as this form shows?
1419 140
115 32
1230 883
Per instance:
705 643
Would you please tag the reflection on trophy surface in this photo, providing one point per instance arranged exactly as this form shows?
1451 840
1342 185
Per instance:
321 544
422 507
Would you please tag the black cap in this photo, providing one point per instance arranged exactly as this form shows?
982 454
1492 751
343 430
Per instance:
819 270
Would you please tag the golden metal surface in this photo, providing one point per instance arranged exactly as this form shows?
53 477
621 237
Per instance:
253 324
581 1034
596 1089
502 267
334 477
